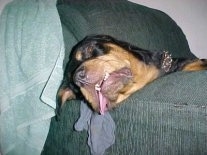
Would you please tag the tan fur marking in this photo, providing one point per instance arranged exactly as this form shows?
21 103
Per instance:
89 98
142 75
195 66
78 56
65 94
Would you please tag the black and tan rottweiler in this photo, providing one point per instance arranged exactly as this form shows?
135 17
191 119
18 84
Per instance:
105 71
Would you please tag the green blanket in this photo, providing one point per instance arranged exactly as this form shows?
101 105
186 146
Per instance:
31 42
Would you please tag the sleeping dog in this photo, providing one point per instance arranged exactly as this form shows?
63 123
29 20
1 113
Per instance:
105 71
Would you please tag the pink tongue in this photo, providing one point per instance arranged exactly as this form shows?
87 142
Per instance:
102 102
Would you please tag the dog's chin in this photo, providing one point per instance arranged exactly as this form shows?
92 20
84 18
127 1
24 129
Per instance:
102 95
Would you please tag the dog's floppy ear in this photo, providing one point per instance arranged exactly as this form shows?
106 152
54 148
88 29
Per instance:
65 93
67 90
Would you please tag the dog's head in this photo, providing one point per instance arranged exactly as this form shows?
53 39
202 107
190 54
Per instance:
102 80
103 71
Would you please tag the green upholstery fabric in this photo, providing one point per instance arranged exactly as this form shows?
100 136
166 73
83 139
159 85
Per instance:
168 116
139 25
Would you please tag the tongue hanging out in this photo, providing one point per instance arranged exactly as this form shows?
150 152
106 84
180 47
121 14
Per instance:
102 103
102 99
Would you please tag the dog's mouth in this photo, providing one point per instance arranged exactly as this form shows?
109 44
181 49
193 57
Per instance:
102 88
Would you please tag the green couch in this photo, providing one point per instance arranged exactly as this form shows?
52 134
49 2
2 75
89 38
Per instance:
167 117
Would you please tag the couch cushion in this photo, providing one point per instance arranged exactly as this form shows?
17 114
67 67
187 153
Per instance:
145 27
